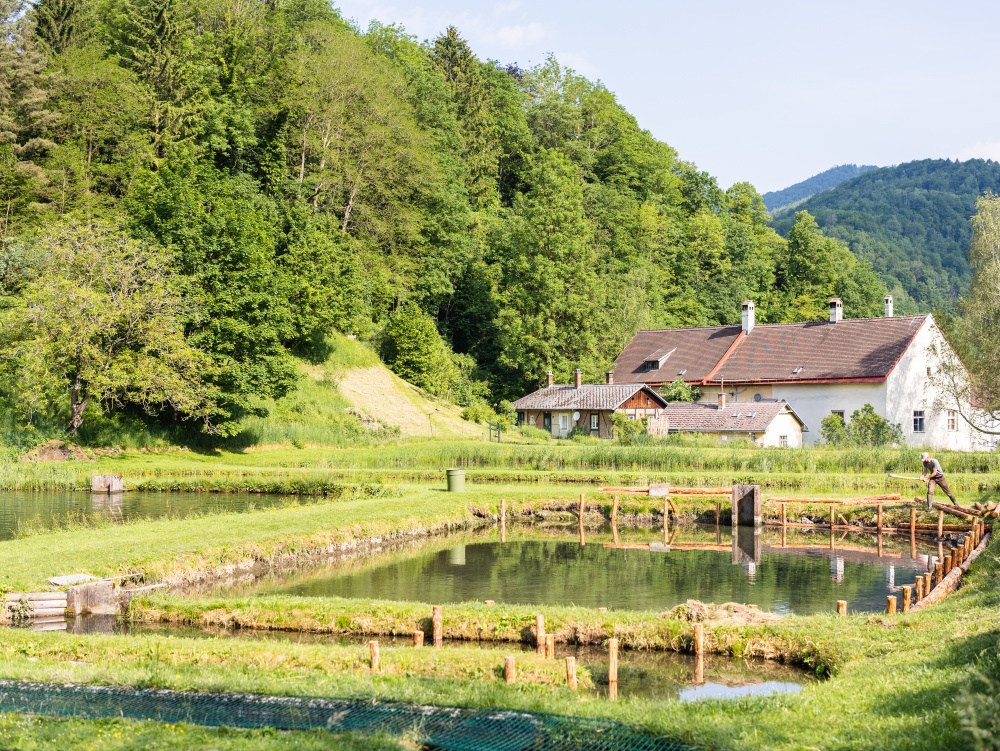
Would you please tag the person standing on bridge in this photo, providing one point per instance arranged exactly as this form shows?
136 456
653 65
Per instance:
934 475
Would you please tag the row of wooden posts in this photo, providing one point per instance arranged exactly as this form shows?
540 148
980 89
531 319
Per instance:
545 646
928 582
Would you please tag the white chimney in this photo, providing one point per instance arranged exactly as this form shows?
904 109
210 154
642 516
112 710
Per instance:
549 378
888 306
836 309
722 400
578 378
748 316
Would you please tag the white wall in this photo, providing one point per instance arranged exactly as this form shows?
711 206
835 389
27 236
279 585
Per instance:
909 388
783 424
813 402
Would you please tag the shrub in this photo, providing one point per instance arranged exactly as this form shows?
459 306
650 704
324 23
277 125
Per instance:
679 391
479 411
627 431
834 430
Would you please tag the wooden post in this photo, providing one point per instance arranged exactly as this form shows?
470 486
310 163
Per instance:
540 634
374 655
920 588
784 516
508 670
907 598
437 622
940 523
938 573
503 520
613 669
718 512
947 564
927 584
418 638
614 520
571 673
913 532
550 646
841 607
832 508
699 638
878 517
890 604
954 558
583 539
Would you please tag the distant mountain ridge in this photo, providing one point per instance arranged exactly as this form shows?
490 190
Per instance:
911 222
787 198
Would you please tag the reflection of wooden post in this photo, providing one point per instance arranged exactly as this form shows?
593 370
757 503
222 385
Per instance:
699 670
666 521
699 638
583 540
376 661
503 520
550 646
437 622
890 604
907 598
879 544
540 634
613 669
833 536
571 673
614 520
508 670
418 638
841 607
784 536
940 523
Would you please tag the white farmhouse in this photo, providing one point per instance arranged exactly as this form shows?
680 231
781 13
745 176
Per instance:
818 367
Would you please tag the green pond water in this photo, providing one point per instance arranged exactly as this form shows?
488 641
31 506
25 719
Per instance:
42 510
748 568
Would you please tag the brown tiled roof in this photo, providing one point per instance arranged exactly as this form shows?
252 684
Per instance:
696 352
858 349
745 417
597 396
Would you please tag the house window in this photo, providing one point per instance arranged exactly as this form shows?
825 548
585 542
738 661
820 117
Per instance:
783 441
547 421
952 420
520 418
595 421
928 371
840 413
918 421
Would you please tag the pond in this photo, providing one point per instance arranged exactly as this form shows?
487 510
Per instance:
803 577
651 675
42 510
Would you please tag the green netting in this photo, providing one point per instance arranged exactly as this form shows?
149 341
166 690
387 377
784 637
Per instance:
448 729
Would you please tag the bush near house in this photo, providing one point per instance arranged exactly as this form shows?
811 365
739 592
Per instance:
866 428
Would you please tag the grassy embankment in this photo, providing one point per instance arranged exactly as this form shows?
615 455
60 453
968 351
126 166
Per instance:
895 680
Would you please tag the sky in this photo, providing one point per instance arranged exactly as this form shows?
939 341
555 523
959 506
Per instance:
767 92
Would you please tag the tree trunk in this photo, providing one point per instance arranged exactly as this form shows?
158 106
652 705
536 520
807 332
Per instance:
77 406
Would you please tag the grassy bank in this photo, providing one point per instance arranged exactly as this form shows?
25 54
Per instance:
897 682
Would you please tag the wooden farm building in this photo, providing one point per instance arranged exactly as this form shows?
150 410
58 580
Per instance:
559 408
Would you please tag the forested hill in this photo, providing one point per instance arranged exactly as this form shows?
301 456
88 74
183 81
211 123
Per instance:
227 181
793 195
911 222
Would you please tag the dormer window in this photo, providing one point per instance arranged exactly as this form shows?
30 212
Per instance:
656 359
797 370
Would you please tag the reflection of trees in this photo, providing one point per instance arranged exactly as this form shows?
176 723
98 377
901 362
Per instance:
560 572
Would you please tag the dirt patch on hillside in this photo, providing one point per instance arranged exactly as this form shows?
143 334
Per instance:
377 392
56 451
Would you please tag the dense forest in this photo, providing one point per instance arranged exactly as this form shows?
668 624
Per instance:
790 197
911 222
195 192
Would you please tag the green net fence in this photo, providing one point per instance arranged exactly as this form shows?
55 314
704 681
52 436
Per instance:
448 729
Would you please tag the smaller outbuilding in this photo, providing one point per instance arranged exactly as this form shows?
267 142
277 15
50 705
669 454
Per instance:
559 408
765 422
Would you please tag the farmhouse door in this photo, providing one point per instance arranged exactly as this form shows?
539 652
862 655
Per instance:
563 426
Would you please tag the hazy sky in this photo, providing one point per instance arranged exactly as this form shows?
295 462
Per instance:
771 92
